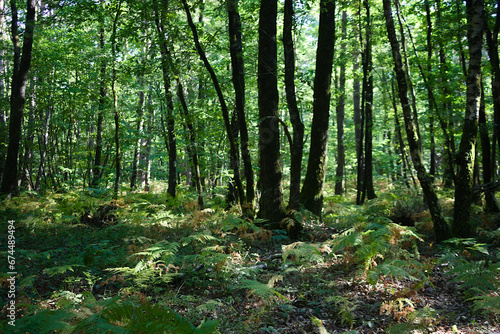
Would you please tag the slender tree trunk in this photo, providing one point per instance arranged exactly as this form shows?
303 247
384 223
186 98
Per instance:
430 196
271 200
116 113
225 113
21 67
492 46
358 129
171 145
236 50
4 128
192 146
311 195
466 154
293 109
26 177
367 106
139 131
444 120
430 96
340 109
43 149
406 67
491 204
98 167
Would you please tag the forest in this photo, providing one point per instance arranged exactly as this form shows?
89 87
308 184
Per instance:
225 166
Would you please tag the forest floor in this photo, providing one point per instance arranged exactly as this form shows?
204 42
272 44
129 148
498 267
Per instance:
82 260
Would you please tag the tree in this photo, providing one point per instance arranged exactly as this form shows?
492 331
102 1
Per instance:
311 195
293 109
271 200
21 65
225 113
467 151
430 196
170 140
236 51
340 109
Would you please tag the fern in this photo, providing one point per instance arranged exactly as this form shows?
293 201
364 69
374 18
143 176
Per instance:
302 253
266 292
112 316
345 308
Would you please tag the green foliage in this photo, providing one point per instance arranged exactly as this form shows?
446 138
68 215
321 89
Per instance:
115 316
266 292
478 278
302 253
345 307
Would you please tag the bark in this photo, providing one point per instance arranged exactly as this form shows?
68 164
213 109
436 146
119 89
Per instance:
358 129
192 146
444 118
139 131
97 167
115 105
220 96
492 47
311 195
293 109
367 105
43 149
467 151
271 200
21 65
430 196
236 50
491 204
340 110
170 137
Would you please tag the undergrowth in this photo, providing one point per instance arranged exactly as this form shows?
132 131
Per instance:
162 265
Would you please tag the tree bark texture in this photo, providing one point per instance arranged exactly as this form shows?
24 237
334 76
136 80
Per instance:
271 200
430 196
238 77
367 105
467 150
340 110
21 65
293 109
171 140
311 195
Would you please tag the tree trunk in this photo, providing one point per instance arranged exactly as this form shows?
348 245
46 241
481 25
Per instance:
271 200
491 204
98 167
43 149
115 105
448 166
171 140
225 114
192 146
311 195
340 109
139 131
367 106
492 46
293 109
467 151
430 196
21 67
358 129
236 50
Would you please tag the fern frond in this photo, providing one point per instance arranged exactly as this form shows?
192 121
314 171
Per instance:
302 252
266 292
201 237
